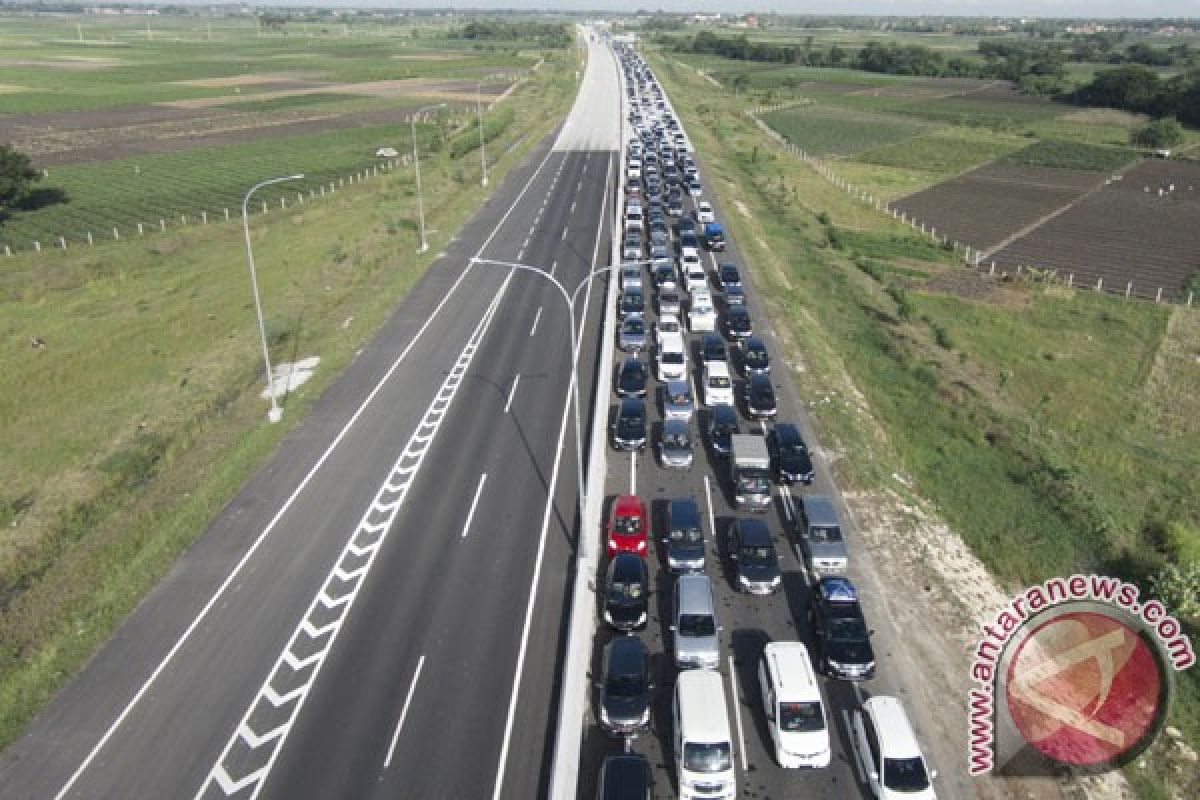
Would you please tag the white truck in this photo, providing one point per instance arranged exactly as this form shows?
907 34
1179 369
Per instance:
750 472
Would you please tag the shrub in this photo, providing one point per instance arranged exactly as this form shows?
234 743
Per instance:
1179 589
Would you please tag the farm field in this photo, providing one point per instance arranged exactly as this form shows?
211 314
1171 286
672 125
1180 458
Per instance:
987 205
1124 233
1052 429
120 149
825 131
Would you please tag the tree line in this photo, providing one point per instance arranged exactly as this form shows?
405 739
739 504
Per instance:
548 34
1035 66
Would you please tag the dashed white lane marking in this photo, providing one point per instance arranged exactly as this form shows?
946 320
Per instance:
737 713
573 202
553 266
475 502
521 254
712 520
564 233
291 499
536 317
412 687
273 711
579 186
512 391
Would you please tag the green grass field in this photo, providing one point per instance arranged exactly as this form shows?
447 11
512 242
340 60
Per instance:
1054 430
1072 155
942 153
827 131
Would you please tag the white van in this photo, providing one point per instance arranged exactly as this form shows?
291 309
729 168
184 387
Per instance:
718 386
703 746
795 710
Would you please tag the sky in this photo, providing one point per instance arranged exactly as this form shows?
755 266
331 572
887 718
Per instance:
1092 9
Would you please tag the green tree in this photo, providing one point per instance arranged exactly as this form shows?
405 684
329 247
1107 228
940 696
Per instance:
16 177
1160 134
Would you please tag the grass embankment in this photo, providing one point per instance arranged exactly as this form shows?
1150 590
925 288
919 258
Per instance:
1054 430
140 416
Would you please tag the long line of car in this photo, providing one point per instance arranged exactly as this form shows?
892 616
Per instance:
663 246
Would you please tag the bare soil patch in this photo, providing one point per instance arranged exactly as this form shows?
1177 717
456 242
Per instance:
64 62
1140 229
251 79
985 206
408 87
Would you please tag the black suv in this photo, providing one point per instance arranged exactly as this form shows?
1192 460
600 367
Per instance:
632 377
722 424
712 348
760 396
754 355
625 690
629 428
684 536
789 454
843 640
625 589
753 553
737 322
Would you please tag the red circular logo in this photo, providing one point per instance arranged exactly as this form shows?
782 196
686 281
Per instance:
1085 689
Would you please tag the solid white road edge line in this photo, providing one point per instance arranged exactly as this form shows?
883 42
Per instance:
220 592
737 713
474 503
537 569
404 712
513 390
633 471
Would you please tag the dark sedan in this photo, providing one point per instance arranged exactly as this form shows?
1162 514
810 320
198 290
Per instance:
760 396
789 454
632 377
629 428
625 691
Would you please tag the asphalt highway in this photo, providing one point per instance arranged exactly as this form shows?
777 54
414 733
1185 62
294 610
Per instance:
379 611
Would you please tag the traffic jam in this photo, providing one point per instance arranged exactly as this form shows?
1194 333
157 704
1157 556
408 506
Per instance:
728 630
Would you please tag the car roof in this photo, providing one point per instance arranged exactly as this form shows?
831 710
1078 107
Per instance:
712 338
755 341
754 531
896 736
674 386
626 775
631 404
723 413
675 425
760 379
790 660
718 368
837 590
787 432
695 594
626 654
684 509
702 719
627 566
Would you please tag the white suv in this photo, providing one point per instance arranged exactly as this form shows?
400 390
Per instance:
718 386
702 315
672 362
888 752
795 710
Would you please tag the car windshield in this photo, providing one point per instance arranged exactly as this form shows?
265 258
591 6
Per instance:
680 399
668 326
697 625
756 357
634 326
676 440
847 629
620 591
905 774
627 524
719 381
795 449
801 717
687 535
756 556
825 534
671 357
753 484
698 757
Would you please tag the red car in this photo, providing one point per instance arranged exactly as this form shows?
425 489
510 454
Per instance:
627 526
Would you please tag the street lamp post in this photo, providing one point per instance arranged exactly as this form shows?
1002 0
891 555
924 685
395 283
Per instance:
569 298
276 413
482 152
417 168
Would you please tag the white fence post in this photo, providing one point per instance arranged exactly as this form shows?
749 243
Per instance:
37 247
992 270
283 202
204 217
91 242
1099 284
1070 280
116 234
1157 296
62 242
162 224
183 219
1128 288
227 215
264 202
1189 293
8 252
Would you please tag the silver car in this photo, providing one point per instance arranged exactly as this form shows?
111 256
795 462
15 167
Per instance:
669 302
694 623
678 402
632 336
675 446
